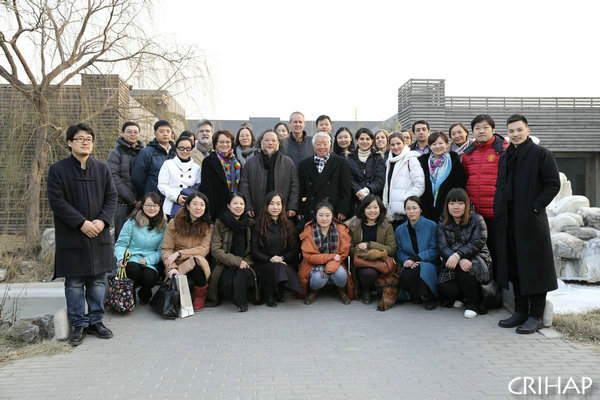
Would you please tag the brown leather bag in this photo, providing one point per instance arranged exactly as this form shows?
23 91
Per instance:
383 267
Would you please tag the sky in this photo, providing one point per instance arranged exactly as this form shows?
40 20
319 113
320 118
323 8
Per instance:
347 59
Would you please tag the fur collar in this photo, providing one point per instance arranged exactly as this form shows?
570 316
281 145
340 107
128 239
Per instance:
354 223
142 220
184 227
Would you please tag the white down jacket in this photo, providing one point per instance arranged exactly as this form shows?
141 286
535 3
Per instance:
407 180
174 176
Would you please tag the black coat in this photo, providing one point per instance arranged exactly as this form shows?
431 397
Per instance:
213 184
537 182
121 160
147 166
332 184
76 195
273 246
455 179
371 174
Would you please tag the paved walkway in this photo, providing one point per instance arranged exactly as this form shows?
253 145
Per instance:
323 351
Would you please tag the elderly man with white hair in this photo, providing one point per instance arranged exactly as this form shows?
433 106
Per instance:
266 172
325 176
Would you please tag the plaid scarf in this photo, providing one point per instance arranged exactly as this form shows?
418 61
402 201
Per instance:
229 162
326 244
321 162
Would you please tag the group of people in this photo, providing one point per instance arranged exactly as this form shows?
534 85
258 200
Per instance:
436 221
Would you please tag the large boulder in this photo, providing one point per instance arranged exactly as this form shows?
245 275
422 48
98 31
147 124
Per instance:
566 246
584 233
570 204
62 326
566 222
25 331
565 190
569 269
47 241
591 216
45 323
590 258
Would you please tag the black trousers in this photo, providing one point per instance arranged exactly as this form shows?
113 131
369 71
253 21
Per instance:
465 286
234 283
411 281
532 304
492 244
196 277
143 277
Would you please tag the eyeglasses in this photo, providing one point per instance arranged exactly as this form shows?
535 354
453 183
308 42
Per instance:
151 205
83 140
132 132
184 148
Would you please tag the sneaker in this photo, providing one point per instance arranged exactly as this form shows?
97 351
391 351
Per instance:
100 331
77 336
470 314
458 304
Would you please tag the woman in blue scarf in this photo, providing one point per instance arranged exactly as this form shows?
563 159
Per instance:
443 171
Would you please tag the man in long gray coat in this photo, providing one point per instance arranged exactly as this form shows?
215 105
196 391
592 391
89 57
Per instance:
266 172
83 197
527 182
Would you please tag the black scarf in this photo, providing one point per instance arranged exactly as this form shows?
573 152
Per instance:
239 228
513 154
269 163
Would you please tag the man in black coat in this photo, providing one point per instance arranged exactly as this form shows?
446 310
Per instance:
528 180
324 176
83 197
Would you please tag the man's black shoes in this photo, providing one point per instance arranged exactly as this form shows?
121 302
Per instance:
76 337
100 331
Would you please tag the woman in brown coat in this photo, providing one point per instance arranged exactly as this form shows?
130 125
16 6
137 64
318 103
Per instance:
325 246
187 243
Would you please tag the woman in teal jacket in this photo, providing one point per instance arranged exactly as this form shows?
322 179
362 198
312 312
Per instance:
142 236
418 255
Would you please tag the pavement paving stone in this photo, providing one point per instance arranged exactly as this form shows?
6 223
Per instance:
325 351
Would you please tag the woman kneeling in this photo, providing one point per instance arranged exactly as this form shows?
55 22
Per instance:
466 259
186 245
325 246
230 247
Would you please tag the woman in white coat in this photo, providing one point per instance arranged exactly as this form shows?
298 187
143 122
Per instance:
177 174
403 178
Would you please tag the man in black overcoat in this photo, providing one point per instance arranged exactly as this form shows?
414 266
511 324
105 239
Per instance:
528 180
83 198
324 176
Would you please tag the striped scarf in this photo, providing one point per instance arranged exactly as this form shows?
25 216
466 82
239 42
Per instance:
229 162
326 244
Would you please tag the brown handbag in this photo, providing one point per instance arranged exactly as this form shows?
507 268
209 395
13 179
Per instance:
383 267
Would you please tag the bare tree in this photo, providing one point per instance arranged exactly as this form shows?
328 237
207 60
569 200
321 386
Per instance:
48 43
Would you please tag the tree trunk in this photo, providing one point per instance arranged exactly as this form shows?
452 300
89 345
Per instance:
34 179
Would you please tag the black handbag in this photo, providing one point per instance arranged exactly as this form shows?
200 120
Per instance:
166 300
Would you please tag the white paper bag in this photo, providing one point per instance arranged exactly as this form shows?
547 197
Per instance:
185 297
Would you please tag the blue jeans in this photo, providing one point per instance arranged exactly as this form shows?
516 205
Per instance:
319 278
76 296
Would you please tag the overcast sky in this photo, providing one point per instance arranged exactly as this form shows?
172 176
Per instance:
348 58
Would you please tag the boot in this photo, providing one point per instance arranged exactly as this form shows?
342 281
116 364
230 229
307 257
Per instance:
532 325
343 295
200 293
311 296
518 318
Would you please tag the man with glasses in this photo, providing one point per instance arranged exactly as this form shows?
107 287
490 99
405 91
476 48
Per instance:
121 160
151 158
82 196
480 162
204 137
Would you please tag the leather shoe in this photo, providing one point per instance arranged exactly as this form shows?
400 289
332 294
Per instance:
518 318
243 308
100 331
270 301
365 297
310 297
76 337
431 305
532 325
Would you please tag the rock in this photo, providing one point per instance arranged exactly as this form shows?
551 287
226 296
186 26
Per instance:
566 246
27 266
3 273
4 325
569 269
590 259
47 241
25 331
46 324
565 190
584 233
591 216
566 222
62 326
548 314
570 204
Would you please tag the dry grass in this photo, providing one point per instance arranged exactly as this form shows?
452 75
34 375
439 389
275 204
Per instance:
13 251
14 349
582 328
